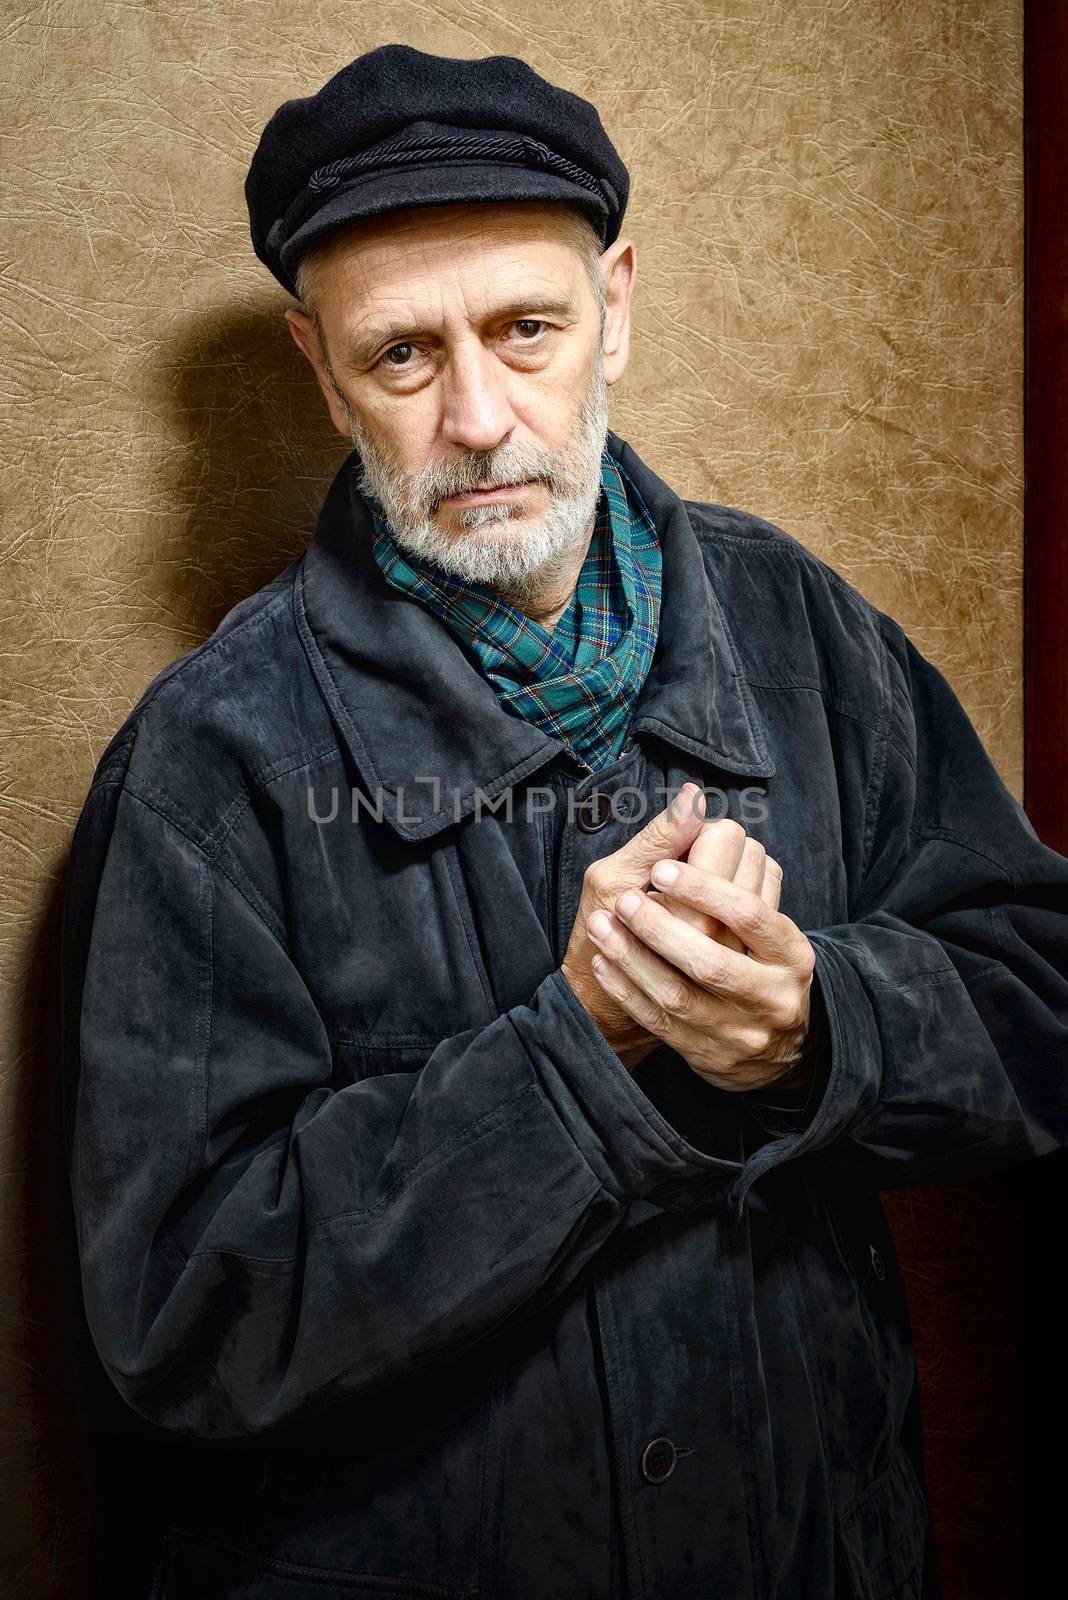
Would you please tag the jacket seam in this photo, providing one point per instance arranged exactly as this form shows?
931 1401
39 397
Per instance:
114 770
907 1538
415 1588
210 849
462 901
789 546
951 837
876 789
812 1367
284 767
208 647
902 752
387 1039
252 895
755 724
210 860
491 1121
816 688
916 827
918 980
742 1406
237 806
199 1088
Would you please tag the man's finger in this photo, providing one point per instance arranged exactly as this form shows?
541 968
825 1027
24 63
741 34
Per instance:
719 847
746 870
774 938
771 888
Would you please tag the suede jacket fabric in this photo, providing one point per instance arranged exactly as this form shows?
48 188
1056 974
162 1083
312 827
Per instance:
423 1293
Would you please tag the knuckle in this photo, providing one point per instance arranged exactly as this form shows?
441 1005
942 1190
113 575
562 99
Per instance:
754 1041
594 879
754 915
676 1000
711 971
785 1015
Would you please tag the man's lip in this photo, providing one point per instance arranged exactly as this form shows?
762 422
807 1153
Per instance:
476 496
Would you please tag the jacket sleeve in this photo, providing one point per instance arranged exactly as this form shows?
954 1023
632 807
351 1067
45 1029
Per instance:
256 1238
779 1110
944 1004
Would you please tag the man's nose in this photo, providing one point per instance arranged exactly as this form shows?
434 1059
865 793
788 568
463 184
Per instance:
477 402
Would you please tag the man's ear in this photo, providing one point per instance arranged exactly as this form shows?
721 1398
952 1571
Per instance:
303 330
619 268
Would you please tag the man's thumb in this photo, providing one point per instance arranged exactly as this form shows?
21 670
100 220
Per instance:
669 833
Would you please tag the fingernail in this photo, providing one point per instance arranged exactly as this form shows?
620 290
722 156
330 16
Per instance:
682 802
628 903
600 925
665 872
689 802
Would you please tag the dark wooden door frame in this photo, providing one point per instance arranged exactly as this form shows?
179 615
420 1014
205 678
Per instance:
1046 421
1041 1186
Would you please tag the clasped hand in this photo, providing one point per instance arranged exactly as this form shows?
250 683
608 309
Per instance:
708 964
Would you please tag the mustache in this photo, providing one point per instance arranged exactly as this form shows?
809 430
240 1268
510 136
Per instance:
477 470
432 497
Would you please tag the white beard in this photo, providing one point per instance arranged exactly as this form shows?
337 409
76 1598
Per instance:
520 560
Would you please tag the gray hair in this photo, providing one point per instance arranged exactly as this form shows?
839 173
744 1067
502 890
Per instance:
581 235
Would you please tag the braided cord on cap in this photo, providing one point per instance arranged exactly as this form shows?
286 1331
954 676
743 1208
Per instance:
419 149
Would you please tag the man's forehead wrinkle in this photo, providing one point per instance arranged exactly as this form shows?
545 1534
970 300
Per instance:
398 251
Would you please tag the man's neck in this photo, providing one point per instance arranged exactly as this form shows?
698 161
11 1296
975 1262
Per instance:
547 601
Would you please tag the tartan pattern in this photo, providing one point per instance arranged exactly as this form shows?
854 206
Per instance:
579 682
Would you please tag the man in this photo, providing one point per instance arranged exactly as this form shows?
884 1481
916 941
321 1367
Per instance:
461 1223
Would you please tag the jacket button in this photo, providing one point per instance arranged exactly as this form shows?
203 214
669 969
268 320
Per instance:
594 811
658 1460
877 1265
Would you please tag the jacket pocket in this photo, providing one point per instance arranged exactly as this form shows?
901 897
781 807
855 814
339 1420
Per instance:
883 1534
383 1496
857 1223
201 1569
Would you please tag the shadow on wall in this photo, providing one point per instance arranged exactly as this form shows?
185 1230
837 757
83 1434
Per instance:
80 1518
254 454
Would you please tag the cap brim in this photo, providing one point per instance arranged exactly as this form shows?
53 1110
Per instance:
433 184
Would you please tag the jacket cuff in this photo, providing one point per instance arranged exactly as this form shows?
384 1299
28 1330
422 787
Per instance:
780 1110
848 1084
630 1146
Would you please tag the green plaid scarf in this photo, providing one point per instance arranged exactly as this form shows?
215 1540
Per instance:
580 681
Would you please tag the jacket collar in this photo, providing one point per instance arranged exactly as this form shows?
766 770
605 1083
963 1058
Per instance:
413 706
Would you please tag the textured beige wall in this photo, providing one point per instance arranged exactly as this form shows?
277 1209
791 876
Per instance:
827 207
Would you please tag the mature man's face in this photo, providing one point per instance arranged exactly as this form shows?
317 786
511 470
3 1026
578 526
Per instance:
465 344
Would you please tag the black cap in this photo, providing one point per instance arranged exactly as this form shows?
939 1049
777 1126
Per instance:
398 127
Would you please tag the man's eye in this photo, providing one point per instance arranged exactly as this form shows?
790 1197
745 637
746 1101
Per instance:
400 355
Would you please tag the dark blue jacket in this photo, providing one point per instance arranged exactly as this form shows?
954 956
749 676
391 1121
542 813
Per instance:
435 1297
